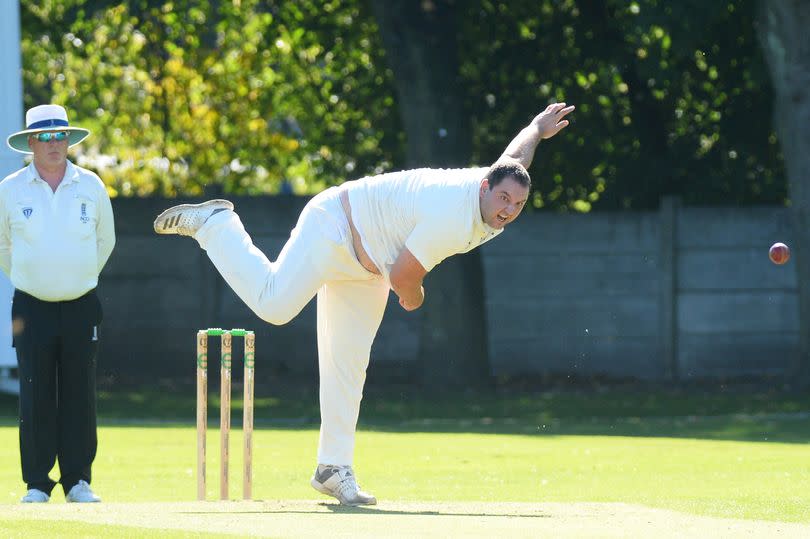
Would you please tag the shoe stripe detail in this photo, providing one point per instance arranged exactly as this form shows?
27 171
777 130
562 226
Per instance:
172 221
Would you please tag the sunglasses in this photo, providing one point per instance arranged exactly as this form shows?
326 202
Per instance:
49 136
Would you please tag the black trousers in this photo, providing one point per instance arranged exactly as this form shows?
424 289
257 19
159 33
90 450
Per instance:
57 344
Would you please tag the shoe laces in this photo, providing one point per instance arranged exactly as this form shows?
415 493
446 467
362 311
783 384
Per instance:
347 487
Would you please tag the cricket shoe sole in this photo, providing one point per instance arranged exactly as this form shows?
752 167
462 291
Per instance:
186 219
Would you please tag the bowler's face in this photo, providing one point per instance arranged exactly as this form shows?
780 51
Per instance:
501 204
52 153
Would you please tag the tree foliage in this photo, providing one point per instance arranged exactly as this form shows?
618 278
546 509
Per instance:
672 97
237 94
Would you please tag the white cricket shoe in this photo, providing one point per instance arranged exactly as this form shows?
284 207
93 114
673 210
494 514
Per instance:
35 496
81 493
186 219
339 482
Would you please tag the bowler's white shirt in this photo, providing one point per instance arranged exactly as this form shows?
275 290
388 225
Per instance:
53 244
435 213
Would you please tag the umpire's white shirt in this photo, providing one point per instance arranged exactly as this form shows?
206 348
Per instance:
53 244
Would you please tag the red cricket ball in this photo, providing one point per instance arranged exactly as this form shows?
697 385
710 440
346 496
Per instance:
779 253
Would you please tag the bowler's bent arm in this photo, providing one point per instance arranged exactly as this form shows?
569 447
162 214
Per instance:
406 278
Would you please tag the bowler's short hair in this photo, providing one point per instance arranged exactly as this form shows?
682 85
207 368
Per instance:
506 169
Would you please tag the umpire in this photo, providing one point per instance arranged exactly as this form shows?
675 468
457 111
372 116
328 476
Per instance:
56 233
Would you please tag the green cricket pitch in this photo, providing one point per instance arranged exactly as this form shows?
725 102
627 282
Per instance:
725 474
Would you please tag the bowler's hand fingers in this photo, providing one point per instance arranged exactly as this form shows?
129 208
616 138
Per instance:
564 111
561 114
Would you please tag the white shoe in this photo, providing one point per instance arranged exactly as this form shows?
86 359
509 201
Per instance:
35 496
339 482
186 219
81 493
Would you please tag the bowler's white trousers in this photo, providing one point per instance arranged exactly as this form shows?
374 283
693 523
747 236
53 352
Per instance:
318 258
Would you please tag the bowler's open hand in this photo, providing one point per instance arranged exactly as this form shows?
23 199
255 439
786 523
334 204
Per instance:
552 120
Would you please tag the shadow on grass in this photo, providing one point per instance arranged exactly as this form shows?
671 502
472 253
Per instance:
372 510
365 510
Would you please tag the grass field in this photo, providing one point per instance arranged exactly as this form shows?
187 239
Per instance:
735 455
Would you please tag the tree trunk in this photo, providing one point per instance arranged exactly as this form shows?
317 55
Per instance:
419 39
785 42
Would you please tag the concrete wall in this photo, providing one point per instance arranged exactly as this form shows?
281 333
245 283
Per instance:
575 294
158 290
737 312
685 292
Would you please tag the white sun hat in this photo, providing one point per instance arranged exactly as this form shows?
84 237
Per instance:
45 118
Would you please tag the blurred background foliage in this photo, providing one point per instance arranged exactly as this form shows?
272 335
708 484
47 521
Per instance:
252 97
228 95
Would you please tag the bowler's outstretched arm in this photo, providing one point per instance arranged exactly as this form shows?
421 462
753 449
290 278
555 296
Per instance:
545 125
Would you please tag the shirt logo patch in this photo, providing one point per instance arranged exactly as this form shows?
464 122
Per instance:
27 212
84 218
